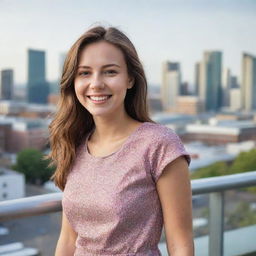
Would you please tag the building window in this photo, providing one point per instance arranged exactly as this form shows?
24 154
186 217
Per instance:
4 195
4 185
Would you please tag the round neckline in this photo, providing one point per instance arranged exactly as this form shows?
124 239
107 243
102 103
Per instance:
115 152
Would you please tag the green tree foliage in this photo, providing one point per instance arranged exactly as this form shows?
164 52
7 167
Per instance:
244 162
216 169
30 162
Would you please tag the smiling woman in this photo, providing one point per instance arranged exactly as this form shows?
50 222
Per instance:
104 73
123 176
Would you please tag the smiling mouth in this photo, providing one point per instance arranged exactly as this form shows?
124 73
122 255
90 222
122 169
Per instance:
99 99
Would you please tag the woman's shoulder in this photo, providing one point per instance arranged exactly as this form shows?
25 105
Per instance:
156 130
161 136
165 146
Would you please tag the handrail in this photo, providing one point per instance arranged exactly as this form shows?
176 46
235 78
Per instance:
51 202
216 186
222 183
30 206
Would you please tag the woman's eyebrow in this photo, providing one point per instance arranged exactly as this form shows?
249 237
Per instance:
105 66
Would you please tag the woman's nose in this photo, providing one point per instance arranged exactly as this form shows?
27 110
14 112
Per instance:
97 81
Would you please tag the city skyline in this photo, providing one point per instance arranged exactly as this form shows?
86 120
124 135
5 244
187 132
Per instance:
182 30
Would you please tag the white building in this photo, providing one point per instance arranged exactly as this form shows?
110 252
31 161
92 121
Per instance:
226 86
235 99
12 184
171 85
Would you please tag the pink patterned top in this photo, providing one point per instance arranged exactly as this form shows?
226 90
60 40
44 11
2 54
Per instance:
112 201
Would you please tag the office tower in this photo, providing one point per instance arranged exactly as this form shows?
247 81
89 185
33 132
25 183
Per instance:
38 88
62 58
226 86
7 84
171 83
210 80
184 88
235 99
54 87
248 85
197 77
234 82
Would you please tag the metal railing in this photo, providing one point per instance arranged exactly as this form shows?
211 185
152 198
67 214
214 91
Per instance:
215 186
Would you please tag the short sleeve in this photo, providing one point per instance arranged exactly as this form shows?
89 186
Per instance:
166 148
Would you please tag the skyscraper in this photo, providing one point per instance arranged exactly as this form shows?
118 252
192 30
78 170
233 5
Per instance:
234 82
197 78
62 58
226 87
248 85
38 88
7 84
171 85
210 80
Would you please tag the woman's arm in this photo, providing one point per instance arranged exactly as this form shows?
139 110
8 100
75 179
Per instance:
66 243
175 194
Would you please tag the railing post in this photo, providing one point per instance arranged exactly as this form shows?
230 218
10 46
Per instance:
216 224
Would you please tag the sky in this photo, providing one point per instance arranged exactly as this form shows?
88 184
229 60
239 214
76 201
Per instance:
174 30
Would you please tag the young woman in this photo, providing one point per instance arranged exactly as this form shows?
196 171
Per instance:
123 176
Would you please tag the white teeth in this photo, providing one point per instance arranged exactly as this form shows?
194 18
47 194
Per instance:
99 98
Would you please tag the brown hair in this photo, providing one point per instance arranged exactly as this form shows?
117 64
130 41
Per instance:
72 121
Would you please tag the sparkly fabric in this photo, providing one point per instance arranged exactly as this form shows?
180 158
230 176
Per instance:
112 201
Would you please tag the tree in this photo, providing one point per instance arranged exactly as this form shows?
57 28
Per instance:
215 169
30 162
244 162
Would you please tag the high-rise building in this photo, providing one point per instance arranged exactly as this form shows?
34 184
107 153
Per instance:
235 99
248 85
38 87
197 77
62 58
184 88
210 80
171 85
7 84
226 86
234 82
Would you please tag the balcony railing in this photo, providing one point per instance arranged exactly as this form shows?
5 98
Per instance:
215 186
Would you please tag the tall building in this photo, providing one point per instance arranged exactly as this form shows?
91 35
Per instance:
209 88
7 84
62 58
171 85
248 85
235 99
226 86
197 77
184 88
234 82
38 88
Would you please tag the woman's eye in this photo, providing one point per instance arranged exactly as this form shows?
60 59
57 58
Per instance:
111 71
84 73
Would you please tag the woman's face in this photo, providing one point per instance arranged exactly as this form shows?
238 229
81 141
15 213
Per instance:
102 72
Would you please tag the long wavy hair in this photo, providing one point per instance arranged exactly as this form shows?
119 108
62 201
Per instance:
72 122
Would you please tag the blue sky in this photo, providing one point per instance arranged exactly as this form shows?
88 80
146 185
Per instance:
175 30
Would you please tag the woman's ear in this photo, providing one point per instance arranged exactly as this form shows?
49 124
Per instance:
131 83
